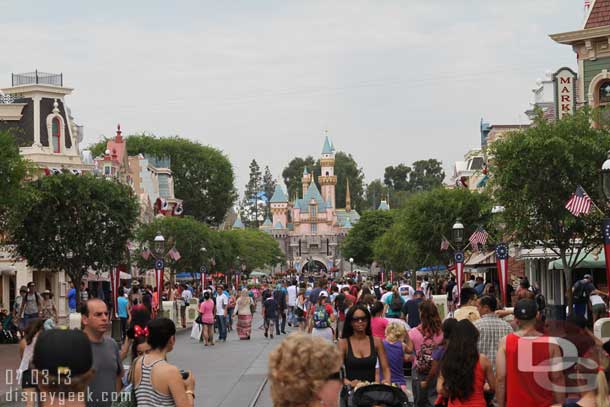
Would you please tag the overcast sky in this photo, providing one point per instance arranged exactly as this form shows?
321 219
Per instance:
392 81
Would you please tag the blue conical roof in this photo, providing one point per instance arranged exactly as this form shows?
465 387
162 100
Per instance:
238 224
347 223
279 195
383 206
305 171
312 193
328 148
267 222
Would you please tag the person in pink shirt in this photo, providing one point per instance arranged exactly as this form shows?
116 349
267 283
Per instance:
426 337
378 322
206 310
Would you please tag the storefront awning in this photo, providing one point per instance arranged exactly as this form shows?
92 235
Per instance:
590 261
538 253
481 258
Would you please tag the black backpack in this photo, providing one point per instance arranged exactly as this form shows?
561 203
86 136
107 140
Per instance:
579 295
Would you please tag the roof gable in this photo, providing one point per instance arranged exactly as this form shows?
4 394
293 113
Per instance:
327 149
312 193
599 15
238 223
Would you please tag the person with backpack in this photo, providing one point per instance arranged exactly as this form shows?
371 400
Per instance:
425 337
31 306
581 291
322 318
394 303
280 317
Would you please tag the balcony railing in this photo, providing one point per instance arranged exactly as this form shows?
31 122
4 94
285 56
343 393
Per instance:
36 77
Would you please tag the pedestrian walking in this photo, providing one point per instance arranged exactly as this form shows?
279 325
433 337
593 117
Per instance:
232 299
123 312
304 371
269 313
106 358
47 307
378 322
360 350
72 298
292 292
206 312
156 382
397 352
517 387
280 298
425 337
411 309
437 354
31 305
300 310
26 352
468 305
243 310
222 304
491 328
464 371
393 304
322 318
64 359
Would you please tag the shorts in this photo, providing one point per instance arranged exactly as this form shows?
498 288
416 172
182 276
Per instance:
598 309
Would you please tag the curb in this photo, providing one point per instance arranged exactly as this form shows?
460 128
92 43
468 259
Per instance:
258 393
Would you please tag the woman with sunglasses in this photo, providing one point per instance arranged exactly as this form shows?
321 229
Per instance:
304 372
360 349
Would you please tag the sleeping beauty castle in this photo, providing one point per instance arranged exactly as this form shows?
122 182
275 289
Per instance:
310 229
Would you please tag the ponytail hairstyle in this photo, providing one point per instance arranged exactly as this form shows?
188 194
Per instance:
601 376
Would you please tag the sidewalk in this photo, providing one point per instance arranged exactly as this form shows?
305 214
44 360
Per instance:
9 362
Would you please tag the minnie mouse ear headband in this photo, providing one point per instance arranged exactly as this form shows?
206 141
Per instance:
139 331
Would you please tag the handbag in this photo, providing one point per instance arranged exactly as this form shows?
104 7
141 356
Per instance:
196 332
198 319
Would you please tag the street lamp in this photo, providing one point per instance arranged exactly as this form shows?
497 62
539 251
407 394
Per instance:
351 264
159 243
458 232
606 177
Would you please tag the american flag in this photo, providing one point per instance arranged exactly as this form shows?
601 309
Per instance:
146 254
444 245
579 202
174 254
479 237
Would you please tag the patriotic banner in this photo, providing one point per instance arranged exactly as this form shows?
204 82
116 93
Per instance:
159 269
382 276
146 254
479 237
115 283
202 277
392 276
174 254
237 281
459 271
502 265
579 202
444 245
606 231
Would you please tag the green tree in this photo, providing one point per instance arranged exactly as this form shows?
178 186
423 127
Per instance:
534 173
376 192
347 168
359 241
72 223
194 240
426 175
269 188
250 207
255 248
397 178
13 171
428 216
293 174
203 176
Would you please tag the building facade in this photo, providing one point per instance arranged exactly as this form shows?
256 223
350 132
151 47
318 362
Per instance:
310 229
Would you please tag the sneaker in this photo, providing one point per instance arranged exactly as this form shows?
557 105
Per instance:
267 335
271 336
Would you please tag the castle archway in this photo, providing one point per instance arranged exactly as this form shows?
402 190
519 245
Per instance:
314 266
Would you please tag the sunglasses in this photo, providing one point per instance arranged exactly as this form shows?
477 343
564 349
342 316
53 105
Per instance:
334 376
360 319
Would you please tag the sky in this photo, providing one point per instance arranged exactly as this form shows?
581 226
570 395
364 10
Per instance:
392 81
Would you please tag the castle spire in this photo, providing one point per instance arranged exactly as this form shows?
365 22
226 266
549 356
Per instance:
348 200
118 138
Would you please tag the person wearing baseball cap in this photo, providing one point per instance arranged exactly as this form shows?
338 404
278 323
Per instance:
517 386
65 360
583 291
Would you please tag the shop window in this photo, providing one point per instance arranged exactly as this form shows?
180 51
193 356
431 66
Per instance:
604 93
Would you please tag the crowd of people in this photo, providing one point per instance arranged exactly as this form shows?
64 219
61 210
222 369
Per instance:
348 336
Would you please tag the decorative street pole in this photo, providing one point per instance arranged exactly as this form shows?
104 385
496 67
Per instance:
458 239
606 221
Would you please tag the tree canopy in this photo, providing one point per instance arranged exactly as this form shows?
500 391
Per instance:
203 176
13 170
73 222
422 175
534 173
359 241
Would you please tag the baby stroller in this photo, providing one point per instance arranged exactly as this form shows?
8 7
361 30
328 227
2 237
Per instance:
374 395
9 330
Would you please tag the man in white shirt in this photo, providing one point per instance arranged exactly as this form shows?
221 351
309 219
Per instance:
186 299
406 292
222 303
292 302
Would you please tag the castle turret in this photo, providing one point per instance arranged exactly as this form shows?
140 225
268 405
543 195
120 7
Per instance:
306 180
327 179
279 206
348 199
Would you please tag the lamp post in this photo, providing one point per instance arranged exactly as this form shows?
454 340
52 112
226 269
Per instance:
159 254
606 221
457 232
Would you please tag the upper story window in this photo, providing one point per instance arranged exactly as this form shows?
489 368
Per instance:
107 170
56 135
314 228
313 211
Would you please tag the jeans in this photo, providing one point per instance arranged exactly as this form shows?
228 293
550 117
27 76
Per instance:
230 317
423 397
282 315
123 327
581 309
221 320
28 317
